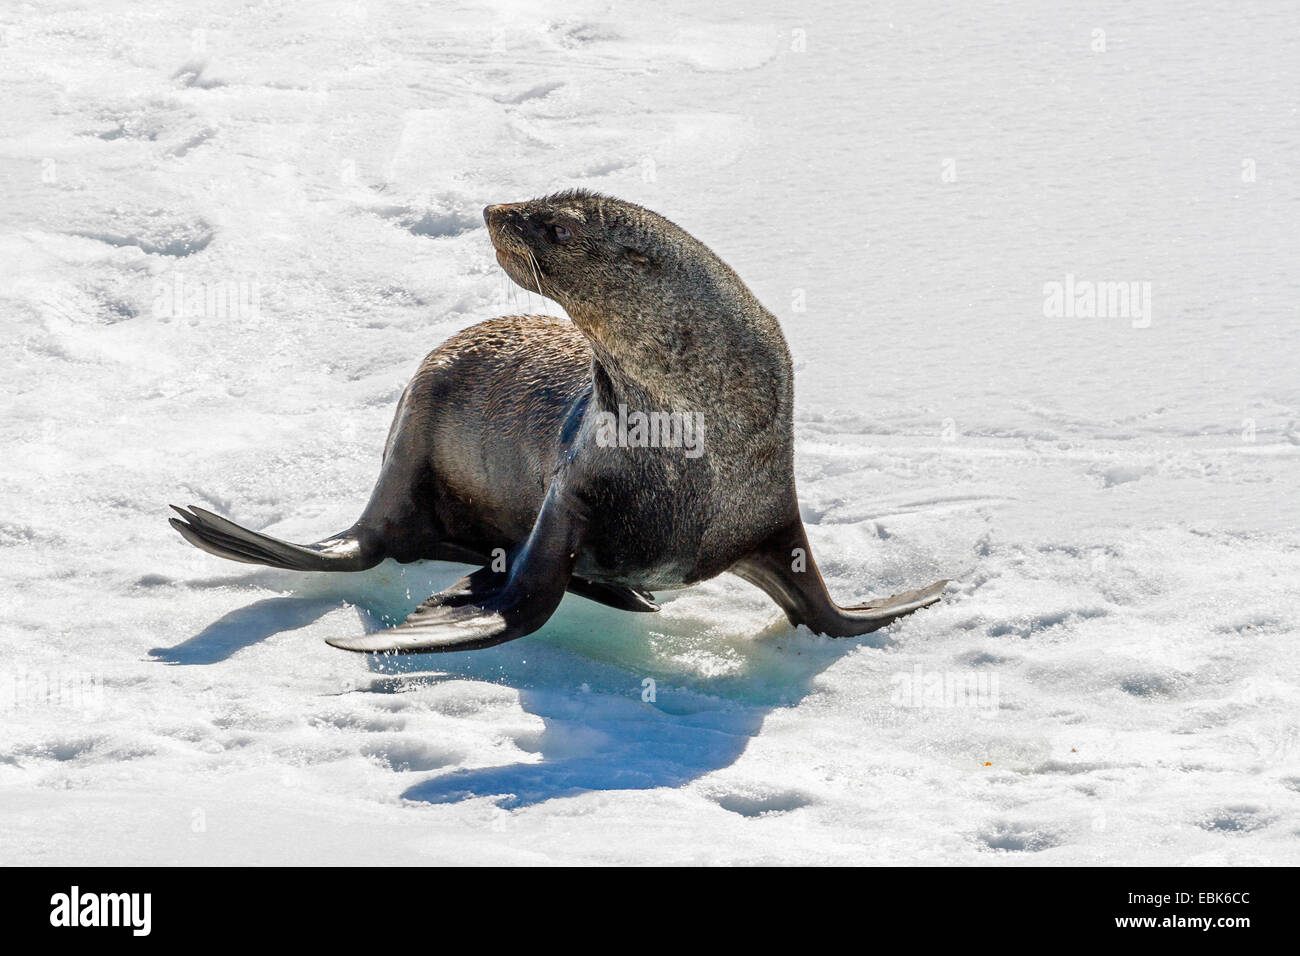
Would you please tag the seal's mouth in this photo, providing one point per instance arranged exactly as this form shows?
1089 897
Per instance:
504 232
514 257
508 240
507 257
512 251
506 236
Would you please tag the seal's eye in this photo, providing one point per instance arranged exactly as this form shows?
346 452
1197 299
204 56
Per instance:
561 233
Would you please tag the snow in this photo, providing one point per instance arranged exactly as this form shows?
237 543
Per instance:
231 232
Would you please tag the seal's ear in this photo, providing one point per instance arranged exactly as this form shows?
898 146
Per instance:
636 256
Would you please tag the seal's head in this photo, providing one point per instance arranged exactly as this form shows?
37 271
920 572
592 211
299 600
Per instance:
656 303
596 255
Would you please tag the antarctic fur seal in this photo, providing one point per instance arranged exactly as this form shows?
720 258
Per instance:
536 447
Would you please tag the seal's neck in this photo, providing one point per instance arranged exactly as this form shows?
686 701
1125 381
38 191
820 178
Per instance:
734 372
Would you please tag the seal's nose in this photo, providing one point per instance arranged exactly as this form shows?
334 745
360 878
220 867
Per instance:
492 212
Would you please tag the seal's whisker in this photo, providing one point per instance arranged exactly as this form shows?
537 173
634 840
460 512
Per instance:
537 272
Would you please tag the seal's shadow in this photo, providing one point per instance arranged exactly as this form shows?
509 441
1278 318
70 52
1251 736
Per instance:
627 701
245 626
313 596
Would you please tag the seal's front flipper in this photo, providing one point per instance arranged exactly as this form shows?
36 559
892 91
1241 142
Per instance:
435 626
783 567
896 605
469 615
486 607
613 595
217 535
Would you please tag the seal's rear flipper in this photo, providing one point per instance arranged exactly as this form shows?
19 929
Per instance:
225 539
783 567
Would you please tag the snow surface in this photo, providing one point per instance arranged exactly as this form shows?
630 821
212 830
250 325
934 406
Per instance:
1115 499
